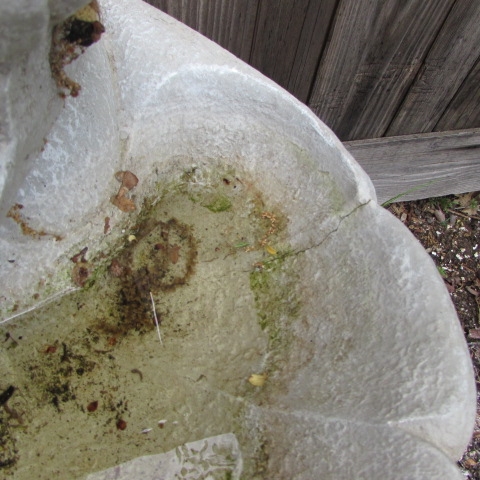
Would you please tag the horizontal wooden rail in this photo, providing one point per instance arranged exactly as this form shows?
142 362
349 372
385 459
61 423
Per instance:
425 165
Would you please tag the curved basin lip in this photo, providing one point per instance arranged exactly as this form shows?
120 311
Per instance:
437 411
206 58
235 78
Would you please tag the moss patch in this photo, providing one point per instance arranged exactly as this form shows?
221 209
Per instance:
219 204
273 285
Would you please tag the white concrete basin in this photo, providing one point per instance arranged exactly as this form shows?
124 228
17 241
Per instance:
277 262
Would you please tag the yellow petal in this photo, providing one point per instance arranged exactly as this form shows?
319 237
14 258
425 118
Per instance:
270 250
257 380
131 238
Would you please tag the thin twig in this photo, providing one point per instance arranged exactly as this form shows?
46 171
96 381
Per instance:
156 319
455 212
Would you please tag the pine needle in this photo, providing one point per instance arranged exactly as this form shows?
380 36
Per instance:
156 319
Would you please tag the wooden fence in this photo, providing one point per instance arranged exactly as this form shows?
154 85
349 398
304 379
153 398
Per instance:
397 80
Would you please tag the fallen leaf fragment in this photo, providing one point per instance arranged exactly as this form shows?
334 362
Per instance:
128 179
18 218
469 203
270 250
123 203
470 462
257 379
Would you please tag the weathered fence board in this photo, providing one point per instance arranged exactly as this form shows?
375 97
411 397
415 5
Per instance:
464 110
277 36
310 46
289 39
230 23
375 51
454 52
369 68
434 164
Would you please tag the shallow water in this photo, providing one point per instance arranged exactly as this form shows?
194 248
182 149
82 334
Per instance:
89 371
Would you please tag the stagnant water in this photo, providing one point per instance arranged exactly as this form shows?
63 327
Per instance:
88 382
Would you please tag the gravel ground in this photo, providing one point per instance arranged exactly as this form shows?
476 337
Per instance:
449 229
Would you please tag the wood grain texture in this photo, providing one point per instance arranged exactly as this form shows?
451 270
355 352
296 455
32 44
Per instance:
435 163
230 23
233 25
451 58
278 30
311 44
464 110
373 55
289 39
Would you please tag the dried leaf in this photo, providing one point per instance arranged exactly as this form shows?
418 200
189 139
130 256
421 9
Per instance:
469 462
468 203
127 179
257 380
123 203
465 199
270 250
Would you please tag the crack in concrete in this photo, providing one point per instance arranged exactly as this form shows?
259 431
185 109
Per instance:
335 230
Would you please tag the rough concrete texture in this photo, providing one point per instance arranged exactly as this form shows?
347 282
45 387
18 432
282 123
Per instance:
29 102
386 386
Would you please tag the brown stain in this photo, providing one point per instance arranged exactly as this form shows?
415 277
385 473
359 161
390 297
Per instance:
19 219
81 273
174 253
150 264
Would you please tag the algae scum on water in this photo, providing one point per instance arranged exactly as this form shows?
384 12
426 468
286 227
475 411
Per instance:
87 375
